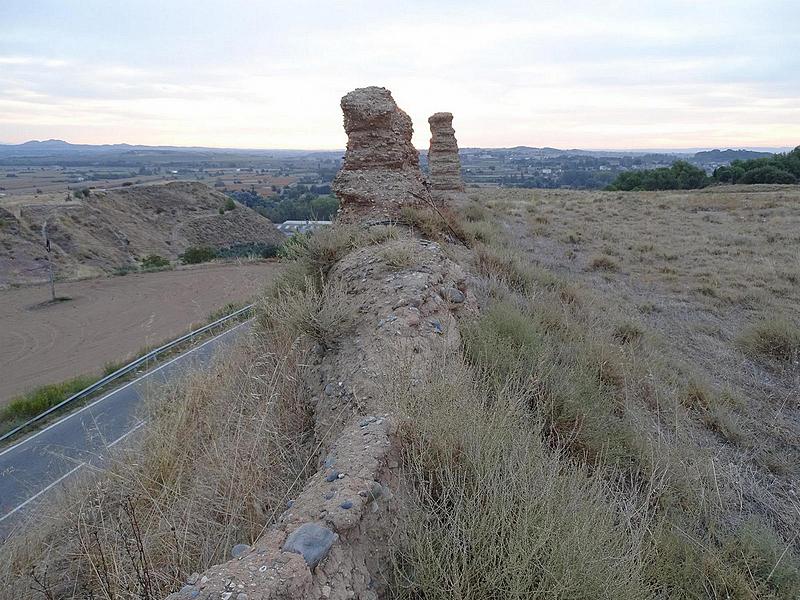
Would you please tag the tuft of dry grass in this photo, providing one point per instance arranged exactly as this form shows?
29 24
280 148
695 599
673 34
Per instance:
603 263
776 339
398 256
321 312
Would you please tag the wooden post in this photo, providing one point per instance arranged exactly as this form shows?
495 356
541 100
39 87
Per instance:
49 262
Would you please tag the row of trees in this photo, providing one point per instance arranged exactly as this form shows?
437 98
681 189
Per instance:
296 204
680 176
779 168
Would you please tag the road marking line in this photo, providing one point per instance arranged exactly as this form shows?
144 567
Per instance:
63 477
124 435
35 496
119 389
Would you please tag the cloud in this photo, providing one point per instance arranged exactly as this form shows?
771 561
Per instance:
270 74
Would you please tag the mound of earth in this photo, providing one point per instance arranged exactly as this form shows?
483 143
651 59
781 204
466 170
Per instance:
116 229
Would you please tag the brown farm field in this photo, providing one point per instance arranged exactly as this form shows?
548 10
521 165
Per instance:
110 319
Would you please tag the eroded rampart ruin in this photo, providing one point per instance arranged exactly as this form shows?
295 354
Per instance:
443 161
381 171
333 540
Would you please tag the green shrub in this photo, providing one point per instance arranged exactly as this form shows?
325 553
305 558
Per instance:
249 249
42 398
154 261
198 254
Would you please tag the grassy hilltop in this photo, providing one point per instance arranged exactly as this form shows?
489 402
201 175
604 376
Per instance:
621 420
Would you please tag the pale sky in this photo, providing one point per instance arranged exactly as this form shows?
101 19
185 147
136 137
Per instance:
569 74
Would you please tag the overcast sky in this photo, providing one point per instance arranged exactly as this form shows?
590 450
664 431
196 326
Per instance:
267 74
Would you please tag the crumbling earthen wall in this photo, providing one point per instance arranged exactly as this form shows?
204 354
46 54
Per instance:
443 161
333 540
381 171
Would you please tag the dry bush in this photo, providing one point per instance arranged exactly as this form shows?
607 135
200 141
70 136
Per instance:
321 312
776 339
633 412
319 251
220 455
497 514
398 256
603 263
440 224
473 212
480 231
507 266
568 376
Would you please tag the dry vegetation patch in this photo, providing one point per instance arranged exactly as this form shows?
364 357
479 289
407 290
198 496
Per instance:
599 435
220 455
634 371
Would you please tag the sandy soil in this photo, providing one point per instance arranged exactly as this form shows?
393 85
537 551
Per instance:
110 319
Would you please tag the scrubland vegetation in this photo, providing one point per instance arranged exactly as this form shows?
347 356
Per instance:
620 423
692 445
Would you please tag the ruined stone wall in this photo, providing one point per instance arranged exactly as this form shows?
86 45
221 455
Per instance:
381 171
333 540
443 161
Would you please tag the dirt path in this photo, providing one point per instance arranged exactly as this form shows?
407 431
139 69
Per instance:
110 319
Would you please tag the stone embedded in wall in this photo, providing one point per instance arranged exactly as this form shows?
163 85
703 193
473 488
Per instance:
443 161
381 171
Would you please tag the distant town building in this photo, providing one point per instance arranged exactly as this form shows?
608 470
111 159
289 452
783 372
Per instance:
291 227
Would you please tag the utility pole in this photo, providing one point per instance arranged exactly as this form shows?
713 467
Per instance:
49 262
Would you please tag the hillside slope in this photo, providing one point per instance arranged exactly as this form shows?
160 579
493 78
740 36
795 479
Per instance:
114 229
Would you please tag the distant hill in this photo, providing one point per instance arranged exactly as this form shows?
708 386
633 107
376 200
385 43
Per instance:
59 152
116 229
726 156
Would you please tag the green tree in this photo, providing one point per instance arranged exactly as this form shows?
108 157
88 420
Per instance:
198 254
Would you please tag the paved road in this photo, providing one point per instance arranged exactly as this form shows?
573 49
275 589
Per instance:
43 461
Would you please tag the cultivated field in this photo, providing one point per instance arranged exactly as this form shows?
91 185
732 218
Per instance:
110 319
54 183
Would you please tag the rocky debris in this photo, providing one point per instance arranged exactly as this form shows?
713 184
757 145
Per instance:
239 550
381 171
333 541
311 541
454 295
443 161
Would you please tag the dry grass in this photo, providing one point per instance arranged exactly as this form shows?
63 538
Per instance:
221 453
776 339
398 256
321 313
498 514
671 412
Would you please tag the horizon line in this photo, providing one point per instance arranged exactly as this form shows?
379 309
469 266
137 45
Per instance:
655 150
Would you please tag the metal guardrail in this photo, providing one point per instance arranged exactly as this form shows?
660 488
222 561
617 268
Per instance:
121 372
